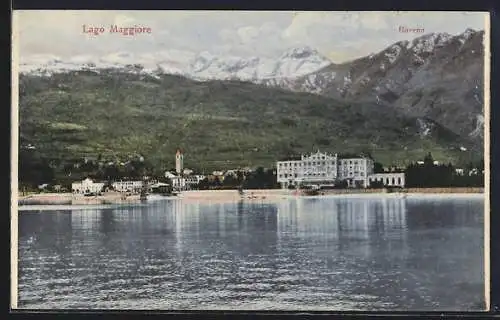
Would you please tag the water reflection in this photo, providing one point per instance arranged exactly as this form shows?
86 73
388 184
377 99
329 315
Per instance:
333 253
331 216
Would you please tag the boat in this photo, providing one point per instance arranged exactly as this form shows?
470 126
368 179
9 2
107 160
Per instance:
311 192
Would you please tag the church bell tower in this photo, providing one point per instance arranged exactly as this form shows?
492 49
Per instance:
179 161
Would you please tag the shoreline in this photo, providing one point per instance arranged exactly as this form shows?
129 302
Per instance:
72 199
261 195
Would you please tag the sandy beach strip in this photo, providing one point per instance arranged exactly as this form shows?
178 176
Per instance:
258 195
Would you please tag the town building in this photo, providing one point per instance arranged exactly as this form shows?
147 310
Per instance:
128 186
160 187
183 178
232 173
318 168
355 170
323 169
387 179
186 182
87 186
178 183
170 175
43 186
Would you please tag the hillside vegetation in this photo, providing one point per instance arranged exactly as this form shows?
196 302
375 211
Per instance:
218 124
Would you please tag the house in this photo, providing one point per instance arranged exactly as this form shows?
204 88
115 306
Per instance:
195 179
474 171
128 186
170 175
389 179
160 187
178 183
355 170
29 147
187 182
235 172
87 186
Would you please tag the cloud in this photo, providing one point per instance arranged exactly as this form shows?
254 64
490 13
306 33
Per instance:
124 20
264 39
248 34
340 34
345 35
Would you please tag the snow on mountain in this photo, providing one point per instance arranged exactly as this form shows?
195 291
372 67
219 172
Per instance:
393 53
425 127
292 63
427 43
479 129
435 75
468 33
299 61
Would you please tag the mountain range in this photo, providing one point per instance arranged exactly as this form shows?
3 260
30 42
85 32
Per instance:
437 75
411 98
202 66
218 124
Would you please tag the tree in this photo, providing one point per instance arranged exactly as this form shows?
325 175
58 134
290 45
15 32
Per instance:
230 181
204 184
430 175
240 176
428 160
378 167
34 169
111 172
216 183
261 179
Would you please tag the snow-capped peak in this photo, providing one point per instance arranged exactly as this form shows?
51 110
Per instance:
392 53
299 53
204 65
428 42
468 33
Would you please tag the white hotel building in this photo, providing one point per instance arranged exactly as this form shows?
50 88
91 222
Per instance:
327 169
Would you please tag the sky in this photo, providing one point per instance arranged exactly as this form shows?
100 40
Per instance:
340 36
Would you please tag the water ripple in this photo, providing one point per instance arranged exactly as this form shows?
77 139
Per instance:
326 254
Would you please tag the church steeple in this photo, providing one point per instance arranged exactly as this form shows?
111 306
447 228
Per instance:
179 161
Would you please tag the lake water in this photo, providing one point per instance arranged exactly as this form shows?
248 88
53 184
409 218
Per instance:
299 254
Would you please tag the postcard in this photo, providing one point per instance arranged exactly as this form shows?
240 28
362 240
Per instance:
250 160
